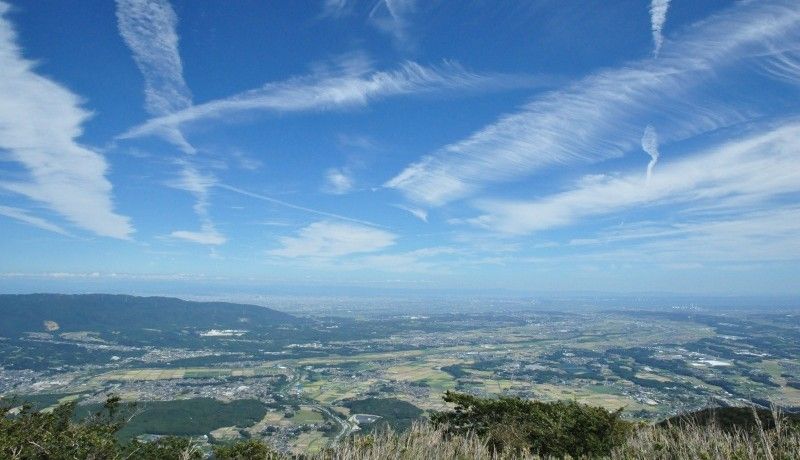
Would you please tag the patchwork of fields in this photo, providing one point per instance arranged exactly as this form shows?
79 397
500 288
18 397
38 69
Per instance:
650 364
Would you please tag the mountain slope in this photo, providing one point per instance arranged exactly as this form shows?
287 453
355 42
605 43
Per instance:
105 312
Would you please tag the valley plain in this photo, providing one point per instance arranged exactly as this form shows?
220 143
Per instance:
303 382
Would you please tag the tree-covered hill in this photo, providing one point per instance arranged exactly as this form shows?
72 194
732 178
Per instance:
122 313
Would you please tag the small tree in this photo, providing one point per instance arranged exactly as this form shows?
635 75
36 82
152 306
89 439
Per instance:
516 425
166 448
53 435
31 434
251 449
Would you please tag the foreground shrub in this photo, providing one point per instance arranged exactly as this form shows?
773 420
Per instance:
246 450
53 435
560 428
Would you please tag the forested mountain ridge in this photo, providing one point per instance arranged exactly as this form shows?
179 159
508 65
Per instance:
107 312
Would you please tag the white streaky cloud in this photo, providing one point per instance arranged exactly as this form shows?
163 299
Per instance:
658 15
288 205
338 181
749 171
245 161
198 184
25 217
598 117
327 239
40 122
431 260
148 28
419 213
352 84
208 235
392 17
336 8
765 235
650 146
425 260
784 66
757 236
361 142
734 241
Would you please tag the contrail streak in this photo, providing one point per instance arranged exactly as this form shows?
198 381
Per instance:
294 206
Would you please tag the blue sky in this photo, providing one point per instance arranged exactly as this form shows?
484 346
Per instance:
623 146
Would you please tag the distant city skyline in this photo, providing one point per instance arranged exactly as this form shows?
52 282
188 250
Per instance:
532 146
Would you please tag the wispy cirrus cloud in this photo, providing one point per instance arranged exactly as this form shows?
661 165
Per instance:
650 146
658 16
732 241
751 237
198 184
336 8
326 239
599 117
351 83
148 27
25 217
732 177
784 66
352 247
207 235
338 181
393 18
435 260
40 122
767 234
419 213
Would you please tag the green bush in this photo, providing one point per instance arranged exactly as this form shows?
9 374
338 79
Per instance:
510 424
251 449
53 435
167 448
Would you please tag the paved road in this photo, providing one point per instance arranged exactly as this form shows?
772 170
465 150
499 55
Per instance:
347 427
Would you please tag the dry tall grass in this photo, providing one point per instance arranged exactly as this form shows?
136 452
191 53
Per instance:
688 441
713 443
421 441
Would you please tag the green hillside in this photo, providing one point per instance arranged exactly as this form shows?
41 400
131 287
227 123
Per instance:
106 312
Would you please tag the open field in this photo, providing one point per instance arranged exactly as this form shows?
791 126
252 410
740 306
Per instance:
329 391
309 442
306 415
184 373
